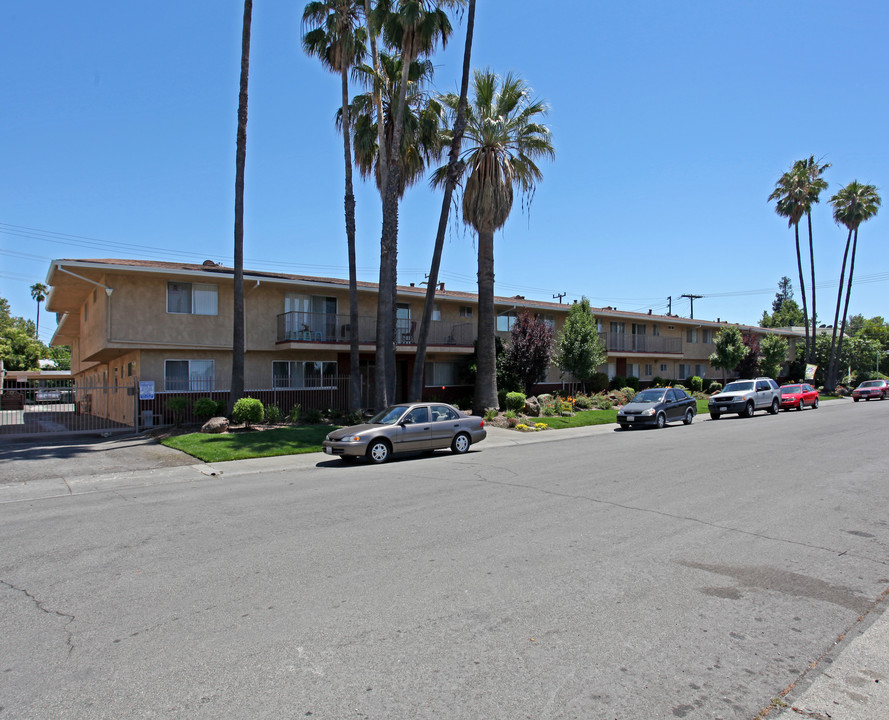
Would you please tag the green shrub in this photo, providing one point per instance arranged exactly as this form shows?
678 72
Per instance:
248 410
658 381
597 383
354 418
205 407
177 405
632 382
294 412
617 382
501 398
695 383
272 414
510 414
715 387
624 395
603 402
490 414
221 408
515 401
584 402
313 416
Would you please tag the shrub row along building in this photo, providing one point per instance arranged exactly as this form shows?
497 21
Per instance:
169 325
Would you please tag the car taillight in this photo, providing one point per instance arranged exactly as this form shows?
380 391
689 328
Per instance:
482 423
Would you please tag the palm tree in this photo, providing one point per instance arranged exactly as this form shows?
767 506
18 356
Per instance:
38 293
238 341
337 39
415 27
815 185
852 205
504 138
453 173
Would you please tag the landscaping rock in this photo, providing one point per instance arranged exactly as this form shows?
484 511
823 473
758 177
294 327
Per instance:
532 406
215 425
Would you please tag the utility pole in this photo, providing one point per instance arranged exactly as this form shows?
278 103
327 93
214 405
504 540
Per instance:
692 298
669 305
560 296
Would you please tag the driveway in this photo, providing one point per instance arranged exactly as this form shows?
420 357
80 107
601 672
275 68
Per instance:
85 456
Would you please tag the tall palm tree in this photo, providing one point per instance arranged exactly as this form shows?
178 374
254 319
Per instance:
238 339
852 205
453 173
504 138
415 27
337 39
38 293
815 185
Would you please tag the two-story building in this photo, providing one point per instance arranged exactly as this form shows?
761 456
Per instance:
171 324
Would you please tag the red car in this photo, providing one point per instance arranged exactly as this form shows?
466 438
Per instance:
871 389
798 396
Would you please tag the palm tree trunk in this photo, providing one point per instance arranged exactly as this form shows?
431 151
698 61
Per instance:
37 328
417 381
831 380
802 283
486 374
386 308
848 293
354 367
810 352
238 340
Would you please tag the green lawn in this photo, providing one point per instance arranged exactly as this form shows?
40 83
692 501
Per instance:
251 444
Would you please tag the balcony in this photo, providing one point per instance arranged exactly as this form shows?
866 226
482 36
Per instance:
326 328
651 344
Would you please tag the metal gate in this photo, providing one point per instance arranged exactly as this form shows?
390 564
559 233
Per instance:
60 411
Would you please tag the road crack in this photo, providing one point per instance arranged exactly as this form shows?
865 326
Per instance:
48 611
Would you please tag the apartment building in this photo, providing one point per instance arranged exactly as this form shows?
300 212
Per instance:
170 324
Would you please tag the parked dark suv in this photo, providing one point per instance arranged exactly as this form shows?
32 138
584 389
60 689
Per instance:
746 396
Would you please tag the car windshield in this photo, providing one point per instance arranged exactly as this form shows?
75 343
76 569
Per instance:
389 416
870 383
738 387
649 396
791 390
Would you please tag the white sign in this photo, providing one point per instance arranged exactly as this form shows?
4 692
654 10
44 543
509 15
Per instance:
146 389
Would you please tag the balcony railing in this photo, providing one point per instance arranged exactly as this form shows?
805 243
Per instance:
309 327
624 342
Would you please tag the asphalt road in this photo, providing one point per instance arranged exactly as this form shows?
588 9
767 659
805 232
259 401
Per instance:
690 572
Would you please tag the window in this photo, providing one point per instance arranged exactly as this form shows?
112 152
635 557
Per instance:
131 369
506 320
304 374
691 335
417 416
436 311
443 412
632 370
701 370
663 367
192 298
618 327
683 371
638 329
649 370
707 336
656 330
548 320
189 375
439 374
465 311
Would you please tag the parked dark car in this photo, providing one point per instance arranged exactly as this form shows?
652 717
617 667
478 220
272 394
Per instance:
411 427
656 407
871 389
798 396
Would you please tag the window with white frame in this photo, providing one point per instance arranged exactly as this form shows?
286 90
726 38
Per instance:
655 330
683 371
192 298
182 375
548 320
506 320
304 374
440 374
691 335
663 367
436 311
707 336
649 370
466 311
701 370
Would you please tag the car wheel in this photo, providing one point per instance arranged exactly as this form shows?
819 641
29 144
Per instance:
460 444
689 417
747 411
378 451
815 404
714 416
773 409
801 404
661 420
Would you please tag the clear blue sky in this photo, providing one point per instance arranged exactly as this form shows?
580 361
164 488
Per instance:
671 123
